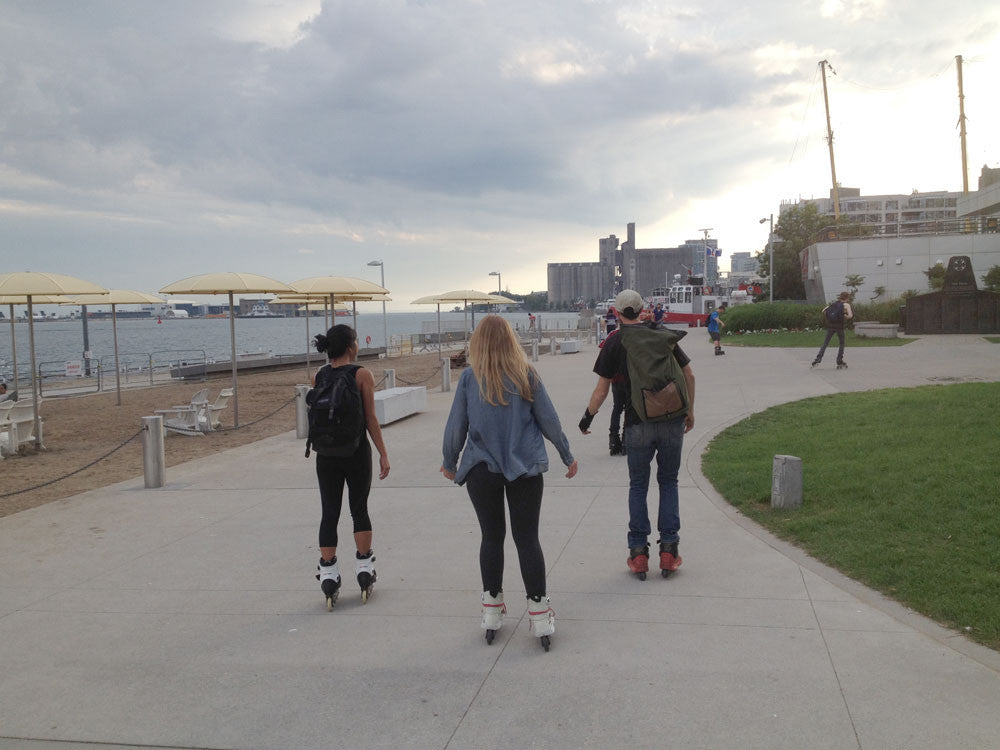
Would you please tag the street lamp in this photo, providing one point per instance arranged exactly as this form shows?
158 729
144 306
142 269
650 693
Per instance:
385 325
770 253
497 274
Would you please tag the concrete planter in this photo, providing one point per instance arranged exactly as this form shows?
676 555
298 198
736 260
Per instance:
873 330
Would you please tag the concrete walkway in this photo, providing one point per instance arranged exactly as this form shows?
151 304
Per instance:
189 616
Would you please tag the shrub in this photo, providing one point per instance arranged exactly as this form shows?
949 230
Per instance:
763 316
881 312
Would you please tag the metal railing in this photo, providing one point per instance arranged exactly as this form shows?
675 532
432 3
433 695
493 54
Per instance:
180 358
922 227
53 376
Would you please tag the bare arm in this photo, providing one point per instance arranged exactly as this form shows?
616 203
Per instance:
689 379
366 384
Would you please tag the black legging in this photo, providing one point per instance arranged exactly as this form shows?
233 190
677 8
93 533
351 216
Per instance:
524 497
332 472
618 395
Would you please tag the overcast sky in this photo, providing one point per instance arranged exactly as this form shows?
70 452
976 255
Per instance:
145 141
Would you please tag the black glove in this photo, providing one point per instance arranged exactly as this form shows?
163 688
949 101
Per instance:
587 419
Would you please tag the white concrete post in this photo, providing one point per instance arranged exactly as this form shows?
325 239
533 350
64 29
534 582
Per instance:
534 350
390 378
552 344
445 375
786 482
153 460
301 412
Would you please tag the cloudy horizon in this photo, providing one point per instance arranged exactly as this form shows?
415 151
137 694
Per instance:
144 142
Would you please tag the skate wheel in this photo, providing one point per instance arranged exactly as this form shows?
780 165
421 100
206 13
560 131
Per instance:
329 604
641 576
490 635
545 642
664 572
364 596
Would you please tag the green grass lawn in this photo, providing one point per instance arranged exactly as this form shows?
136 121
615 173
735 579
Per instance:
901 490
807 339
992 339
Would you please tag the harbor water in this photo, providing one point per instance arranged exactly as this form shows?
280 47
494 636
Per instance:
60 341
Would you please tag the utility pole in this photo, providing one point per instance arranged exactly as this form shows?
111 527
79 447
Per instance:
823 65
961 126
704 257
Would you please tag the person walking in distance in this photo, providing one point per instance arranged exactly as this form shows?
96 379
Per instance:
714 332
835 316
342 408
659 410
499 416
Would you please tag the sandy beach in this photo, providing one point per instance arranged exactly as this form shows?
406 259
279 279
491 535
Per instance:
80 429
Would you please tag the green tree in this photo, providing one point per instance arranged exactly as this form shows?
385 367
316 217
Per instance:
852 281
878 292
935 276
992 279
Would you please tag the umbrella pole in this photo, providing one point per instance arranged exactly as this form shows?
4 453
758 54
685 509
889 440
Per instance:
354 307
326 315
232 342
439 332
465 323
118 369
308 362
13 346
34 381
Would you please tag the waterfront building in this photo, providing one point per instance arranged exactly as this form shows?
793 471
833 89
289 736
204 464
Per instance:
893 214
622 265
743 263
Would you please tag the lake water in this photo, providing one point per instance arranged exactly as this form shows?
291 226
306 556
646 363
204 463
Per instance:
62 340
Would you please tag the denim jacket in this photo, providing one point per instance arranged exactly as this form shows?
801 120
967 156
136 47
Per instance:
508 439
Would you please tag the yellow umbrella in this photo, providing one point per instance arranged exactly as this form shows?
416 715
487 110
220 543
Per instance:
114 298
458 295
31 284
342 287
313 304
228 283
41 299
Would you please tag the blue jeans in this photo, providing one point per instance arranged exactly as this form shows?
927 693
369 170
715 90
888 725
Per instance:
643 441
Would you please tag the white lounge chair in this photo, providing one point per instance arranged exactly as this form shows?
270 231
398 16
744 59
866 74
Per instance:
17 424
186 419
213 411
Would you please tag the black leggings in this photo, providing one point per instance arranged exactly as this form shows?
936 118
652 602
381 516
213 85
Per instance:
618 395
332 472
524 497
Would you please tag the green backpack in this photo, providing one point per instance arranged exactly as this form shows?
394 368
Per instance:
658 386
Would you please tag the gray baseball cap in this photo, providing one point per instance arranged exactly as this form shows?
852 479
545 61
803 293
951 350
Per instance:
626 299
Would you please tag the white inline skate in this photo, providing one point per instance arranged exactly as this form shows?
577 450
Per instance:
493 611
364 569
328 575
541 619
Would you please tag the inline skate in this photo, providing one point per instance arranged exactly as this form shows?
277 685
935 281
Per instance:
364 569
541 619
328 575
493 611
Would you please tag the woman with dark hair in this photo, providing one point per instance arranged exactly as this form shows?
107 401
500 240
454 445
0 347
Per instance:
340 344
498 418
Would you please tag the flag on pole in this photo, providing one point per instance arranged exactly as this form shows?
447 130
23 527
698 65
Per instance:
708 252
718 253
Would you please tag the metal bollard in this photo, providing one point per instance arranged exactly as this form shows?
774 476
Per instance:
301 412
552 344
153 461
534 350
786 482
390 378
445 375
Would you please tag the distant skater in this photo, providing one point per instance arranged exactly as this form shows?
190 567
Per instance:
342 408
714 332
499 417
835 316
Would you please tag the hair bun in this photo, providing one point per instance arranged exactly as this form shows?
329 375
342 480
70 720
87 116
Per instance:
321 342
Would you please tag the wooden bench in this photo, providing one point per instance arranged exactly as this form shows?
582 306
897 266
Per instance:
392 404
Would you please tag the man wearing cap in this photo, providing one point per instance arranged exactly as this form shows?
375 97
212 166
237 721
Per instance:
643 441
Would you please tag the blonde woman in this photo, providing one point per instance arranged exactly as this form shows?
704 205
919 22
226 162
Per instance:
498 420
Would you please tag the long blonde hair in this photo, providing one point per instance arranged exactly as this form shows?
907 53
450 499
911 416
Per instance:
496 354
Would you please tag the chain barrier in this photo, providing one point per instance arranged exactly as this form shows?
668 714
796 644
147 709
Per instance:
260 419
418 382
66 476
380 381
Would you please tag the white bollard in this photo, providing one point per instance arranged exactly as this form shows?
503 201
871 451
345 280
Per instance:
153 461
445 375
301 412
786 482
552 344
390 378
534 350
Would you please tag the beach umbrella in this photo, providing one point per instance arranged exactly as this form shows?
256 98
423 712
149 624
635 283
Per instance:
114 298
459 295
312 304
341 287
41 299
228 283
31 284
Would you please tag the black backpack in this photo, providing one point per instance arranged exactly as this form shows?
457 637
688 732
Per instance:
835 314
336 415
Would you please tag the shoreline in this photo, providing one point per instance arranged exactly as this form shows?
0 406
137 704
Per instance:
81 429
